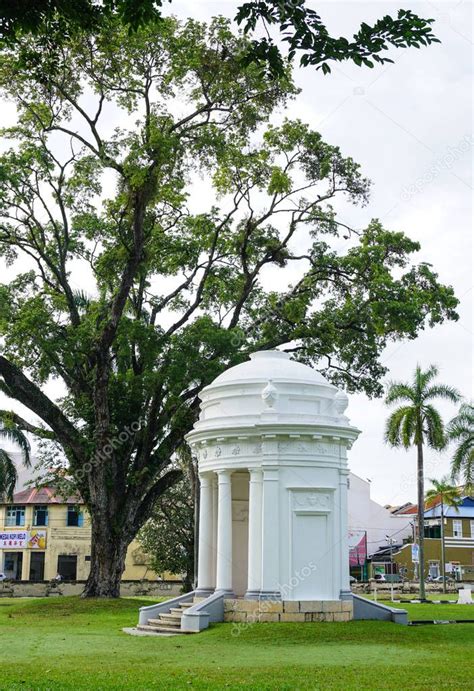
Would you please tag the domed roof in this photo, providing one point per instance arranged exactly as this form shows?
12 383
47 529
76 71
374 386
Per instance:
266 365
270 388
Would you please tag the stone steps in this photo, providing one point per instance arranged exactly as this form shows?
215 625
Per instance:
168 622
161 629
163 620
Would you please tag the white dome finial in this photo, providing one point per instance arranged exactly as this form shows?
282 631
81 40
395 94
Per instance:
341 401
269 394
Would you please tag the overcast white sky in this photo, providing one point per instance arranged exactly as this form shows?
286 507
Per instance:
409 125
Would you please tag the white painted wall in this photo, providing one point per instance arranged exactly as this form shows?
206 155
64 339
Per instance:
366 514
313 561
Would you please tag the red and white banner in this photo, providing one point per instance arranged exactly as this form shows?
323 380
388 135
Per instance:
357 547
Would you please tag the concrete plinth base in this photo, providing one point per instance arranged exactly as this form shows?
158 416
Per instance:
252 595
346 595
228 594
204 592
270 595
251 611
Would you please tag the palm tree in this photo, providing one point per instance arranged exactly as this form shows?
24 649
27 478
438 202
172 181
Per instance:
446 495
415 424
8 471
461 430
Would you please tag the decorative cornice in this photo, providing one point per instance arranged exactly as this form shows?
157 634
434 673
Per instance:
286 449
274 428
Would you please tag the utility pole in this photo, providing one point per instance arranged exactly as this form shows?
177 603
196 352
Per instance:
391 542
443 547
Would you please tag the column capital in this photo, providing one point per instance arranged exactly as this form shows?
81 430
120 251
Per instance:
256 474
270 473
206 479
224 475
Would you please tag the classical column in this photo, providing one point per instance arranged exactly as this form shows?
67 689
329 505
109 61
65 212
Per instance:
254 582
345 592
205 579
224 533
215 504
270 588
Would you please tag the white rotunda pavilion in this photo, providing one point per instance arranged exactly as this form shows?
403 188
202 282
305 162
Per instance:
271 443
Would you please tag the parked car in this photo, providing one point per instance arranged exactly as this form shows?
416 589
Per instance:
380 578
439 579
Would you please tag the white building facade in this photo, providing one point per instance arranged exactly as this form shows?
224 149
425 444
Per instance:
272 442
366 516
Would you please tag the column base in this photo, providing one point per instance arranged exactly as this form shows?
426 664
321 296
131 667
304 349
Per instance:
203 592
269 595
252 595
228 593
345 595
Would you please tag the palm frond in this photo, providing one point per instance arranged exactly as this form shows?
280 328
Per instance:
434 428
408 428
462 464
461 430
8 475
462 425
423 378
442 391
458 429
396 426
16 436
446 492
81 299
398 391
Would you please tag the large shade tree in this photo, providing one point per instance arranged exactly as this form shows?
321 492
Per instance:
139 291
418 423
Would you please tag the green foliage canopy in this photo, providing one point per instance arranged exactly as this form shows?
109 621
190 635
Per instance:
300 27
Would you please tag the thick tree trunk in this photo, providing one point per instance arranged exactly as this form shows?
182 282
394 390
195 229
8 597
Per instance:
421 521
108 554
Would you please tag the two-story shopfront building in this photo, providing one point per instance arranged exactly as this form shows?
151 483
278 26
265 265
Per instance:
458 539
43 535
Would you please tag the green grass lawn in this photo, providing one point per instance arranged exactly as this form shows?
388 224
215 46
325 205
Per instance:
69 643
431 612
